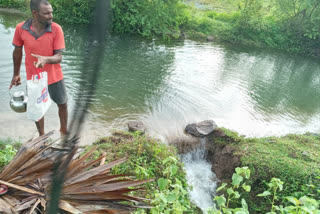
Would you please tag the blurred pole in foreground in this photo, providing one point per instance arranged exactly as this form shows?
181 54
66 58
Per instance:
93 57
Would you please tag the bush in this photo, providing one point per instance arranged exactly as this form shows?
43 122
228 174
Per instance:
294 159
148 18
12 3
148 158
73 11
234 191
8 149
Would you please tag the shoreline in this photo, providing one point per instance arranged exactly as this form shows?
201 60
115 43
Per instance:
13 11
291 157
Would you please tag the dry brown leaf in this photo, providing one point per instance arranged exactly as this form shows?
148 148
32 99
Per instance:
68 207
88 187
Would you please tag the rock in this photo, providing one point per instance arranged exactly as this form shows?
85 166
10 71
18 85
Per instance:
210 38
135 126
201 129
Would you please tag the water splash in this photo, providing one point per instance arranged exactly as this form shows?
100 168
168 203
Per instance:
200 176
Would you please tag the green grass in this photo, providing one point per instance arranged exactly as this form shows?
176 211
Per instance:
298 152
8 149
263 24
148 158
295 159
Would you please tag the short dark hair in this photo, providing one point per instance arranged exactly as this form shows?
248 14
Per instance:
35 4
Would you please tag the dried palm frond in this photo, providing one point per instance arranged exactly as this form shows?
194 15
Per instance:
88 186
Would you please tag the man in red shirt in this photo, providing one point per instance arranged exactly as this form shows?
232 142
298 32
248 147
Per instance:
43 43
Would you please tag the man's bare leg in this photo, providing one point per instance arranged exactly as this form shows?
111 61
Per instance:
63 115
40 126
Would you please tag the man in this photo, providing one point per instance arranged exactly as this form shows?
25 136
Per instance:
43 43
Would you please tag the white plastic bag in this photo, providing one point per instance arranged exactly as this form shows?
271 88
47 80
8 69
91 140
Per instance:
39 99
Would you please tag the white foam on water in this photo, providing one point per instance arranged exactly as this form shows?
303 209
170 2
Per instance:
200 177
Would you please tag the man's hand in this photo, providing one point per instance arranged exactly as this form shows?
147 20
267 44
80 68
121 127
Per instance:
42 60
15 81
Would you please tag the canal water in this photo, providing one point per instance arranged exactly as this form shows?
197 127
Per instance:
255 92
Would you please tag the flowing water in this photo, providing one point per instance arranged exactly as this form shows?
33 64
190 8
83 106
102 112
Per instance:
168 85
200 176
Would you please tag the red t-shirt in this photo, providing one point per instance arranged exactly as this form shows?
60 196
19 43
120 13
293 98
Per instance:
48 43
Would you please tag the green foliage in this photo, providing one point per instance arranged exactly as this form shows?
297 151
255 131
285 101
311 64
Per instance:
12 3
8 149
147 159
233 193
304 205
6 155
73 11
281 24
148 17
225 136
274 185
172 196
294 159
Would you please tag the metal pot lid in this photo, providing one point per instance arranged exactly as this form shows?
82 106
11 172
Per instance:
18 96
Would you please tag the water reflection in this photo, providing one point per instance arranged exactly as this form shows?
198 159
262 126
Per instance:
167 86
9 18
277 84
134 70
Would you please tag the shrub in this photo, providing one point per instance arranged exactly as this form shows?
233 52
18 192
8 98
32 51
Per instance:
73 11
148 18
12 3
148 158
8 150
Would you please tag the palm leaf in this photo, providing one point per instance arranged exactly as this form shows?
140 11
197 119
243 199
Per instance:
88 186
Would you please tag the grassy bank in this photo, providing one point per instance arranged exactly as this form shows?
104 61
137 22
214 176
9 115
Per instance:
294 159
149 158
291 26
264 24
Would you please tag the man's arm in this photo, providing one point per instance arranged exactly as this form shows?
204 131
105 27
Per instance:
17 58
42 60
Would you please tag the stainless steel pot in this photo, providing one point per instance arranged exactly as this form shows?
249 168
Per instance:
18 101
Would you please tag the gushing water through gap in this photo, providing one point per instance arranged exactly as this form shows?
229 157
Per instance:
200 176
